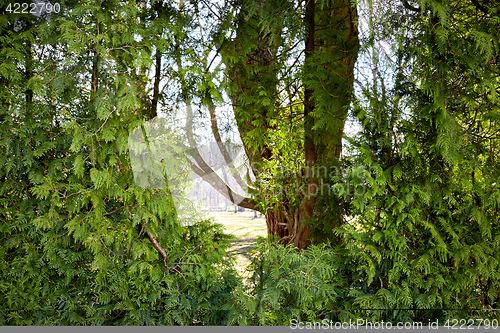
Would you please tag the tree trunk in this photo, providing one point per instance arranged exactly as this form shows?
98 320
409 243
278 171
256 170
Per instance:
331 51
331 48
288 227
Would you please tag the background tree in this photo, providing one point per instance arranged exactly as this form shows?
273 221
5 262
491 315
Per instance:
302 99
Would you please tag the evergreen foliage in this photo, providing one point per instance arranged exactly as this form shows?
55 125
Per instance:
428 222
82 244
78 235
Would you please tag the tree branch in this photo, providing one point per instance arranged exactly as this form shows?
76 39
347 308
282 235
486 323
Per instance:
220 186
479 6
156 84
410 7
222 148
157 245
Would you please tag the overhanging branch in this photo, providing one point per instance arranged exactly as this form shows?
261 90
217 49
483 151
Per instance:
222 148
220 186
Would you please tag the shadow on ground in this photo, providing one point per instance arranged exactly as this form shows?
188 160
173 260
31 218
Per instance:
242 247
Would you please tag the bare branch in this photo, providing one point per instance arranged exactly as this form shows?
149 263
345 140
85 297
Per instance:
223 150
220 186
157 246
156 87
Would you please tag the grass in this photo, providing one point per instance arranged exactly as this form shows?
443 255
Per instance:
246 228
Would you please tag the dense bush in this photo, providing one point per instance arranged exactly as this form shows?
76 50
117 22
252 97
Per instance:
56 283
378 276
80 242
337 284
287 284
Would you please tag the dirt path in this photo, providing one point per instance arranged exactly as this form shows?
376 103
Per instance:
247 229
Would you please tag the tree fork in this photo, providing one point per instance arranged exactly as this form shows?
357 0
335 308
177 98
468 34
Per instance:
331 46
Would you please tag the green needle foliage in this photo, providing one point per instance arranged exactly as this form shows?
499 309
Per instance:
428 221
409 232
81 243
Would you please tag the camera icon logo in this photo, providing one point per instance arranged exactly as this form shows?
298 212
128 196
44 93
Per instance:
193 173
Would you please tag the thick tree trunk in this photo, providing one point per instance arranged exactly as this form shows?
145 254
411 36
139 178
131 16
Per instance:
287 225
331 48
331 51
